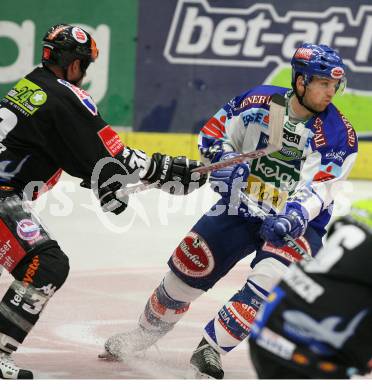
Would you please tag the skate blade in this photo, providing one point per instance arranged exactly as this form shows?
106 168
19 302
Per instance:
195 373
108 357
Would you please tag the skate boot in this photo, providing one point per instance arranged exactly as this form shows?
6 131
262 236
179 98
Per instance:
122 345
9 370
206 362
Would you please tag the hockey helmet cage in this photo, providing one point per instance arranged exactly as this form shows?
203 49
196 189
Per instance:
63 43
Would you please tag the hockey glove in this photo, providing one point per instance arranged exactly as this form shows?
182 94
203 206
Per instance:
175 172
293 223
217 150
229 181
110 199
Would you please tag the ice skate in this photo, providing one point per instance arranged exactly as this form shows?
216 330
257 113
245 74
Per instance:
122 345
9 370
206 362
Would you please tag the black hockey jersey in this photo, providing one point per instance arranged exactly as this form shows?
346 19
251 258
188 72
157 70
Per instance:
48 125
322 309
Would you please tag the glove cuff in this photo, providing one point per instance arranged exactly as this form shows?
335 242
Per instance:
298 208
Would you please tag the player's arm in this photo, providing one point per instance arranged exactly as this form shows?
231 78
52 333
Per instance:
321 175
96 154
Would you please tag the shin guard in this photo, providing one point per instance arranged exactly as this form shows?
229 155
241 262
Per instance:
233 322
168 304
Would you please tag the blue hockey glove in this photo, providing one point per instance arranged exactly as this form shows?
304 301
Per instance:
293 223
217 150
229 181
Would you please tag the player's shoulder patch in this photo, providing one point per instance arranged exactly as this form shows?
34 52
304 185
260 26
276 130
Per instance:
82 95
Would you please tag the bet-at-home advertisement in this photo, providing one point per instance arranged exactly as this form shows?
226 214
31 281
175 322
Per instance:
194 55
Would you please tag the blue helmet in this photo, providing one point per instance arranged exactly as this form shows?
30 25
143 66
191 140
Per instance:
317 60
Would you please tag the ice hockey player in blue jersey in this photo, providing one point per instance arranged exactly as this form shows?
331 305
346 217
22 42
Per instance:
296 184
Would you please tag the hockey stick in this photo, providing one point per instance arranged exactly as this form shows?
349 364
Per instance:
257 211
275 141
276 121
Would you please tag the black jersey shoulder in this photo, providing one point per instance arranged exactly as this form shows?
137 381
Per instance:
59 90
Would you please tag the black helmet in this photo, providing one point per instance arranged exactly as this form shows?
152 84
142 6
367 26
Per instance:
64 43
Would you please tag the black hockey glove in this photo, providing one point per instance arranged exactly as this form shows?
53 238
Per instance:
110 199
174 174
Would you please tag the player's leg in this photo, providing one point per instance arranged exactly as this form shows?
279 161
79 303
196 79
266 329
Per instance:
36 280
39 268
207 253
234 320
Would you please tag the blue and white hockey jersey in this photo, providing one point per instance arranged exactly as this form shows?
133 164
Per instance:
316 154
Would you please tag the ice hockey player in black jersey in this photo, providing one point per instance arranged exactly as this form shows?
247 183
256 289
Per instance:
317 322
48 124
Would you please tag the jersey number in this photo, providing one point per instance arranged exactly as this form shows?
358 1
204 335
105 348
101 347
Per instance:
346 237
8 121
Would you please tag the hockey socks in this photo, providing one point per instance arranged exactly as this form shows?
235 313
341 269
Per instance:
162 312
233 322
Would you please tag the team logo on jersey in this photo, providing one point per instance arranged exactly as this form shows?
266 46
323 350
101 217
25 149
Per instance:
28 96
193 257
28 230
82 95
332 330
79 35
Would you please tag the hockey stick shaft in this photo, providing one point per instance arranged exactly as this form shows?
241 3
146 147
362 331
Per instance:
257 211
276 122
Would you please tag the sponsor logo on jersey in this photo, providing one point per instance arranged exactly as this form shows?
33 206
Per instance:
291 137
351 136
288 153
28 230
276 344
79 35
289 253
256 115
319 136
328 172
338 155
82 95
266 193
28 96
31 270
111 140
193 257
263 35
215 126
255 99
302 284
272 170
11 252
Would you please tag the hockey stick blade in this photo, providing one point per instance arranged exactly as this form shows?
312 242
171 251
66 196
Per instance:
257 211
276 121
